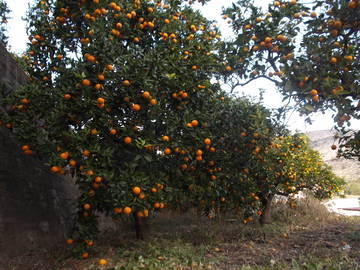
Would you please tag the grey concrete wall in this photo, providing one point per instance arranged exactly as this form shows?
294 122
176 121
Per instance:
35 205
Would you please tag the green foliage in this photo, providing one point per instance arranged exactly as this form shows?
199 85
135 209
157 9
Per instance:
108 82
121 94
309 50
4 11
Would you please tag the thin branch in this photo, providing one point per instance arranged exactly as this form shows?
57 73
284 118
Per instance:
260 76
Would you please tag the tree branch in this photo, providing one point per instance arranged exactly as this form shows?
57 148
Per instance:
253 79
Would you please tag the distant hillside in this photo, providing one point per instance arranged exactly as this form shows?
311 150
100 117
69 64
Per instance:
321 141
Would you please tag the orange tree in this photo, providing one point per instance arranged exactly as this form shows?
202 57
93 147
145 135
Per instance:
244 129
288 166
309 50
239 128
116 91
252 159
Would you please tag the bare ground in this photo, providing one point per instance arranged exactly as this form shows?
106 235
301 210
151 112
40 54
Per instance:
301 238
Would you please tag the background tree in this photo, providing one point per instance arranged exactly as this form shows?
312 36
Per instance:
288 166
4 11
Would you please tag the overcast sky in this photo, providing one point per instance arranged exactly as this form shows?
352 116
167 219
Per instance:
272 99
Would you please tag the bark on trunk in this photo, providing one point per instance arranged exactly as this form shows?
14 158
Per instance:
138 227
146 225
265 217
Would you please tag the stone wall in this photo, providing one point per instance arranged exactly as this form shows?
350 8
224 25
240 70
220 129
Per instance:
35 205
10 72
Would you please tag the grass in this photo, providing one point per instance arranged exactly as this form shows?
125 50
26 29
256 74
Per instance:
306 237
352 188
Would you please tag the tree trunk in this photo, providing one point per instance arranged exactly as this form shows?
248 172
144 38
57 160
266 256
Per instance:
265 217
138 227
146 225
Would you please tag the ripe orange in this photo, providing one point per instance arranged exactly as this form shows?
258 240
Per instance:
85 255
352 4
67 96
167 151
194 123
153 101
54 169
64 155
102 262
86 206
199 152
112 131
86 153
127 140
25 147
109 67
126 83
85 82
24 101
112 5
136 107
90 58
333 60
117 210
89 243
136 190
248 26
98 86
207 141
184 166
156 205
194 67
101 77
100 100
348 58
165 138
69 241
89 173
127 210
313 92
98 179
145 94
315 98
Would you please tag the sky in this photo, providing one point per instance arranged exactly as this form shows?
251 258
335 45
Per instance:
212 11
